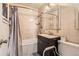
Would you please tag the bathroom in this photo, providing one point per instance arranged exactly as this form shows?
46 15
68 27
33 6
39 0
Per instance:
22 24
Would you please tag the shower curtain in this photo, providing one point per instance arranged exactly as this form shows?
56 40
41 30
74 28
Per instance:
14 42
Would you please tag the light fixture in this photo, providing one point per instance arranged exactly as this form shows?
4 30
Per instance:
47 8
52 4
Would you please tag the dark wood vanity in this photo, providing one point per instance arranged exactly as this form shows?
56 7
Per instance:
44 41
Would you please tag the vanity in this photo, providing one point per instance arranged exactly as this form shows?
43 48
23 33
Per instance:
45 40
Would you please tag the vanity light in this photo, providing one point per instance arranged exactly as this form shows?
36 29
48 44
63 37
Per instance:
47 8
52 4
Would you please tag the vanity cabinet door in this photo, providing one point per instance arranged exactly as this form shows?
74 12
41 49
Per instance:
41 47
44 43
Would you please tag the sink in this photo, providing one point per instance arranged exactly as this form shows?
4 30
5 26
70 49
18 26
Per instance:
48 36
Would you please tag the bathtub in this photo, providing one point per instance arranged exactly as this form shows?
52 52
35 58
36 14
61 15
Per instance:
29 46
68 49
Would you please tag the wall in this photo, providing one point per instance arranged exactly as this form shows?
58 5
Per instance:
28 26
67 17
4 28
49 23
68 29
28 20
4 34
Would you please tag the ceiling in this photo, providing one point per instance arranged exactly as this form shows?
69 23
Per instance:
42 5
35 5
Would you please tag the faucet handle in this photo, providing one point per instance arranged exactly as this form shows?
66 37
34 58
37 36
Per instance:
3 41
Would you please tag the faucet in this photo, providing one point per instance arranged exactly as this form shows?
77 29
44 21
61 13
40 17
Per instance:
3 41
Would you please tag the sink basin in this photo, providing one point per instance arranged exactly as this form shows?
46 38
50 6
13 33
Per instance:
48 36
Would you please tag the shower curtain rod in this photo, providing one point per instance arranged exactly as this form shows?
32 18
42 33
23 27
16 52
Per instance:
22 6
25 7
